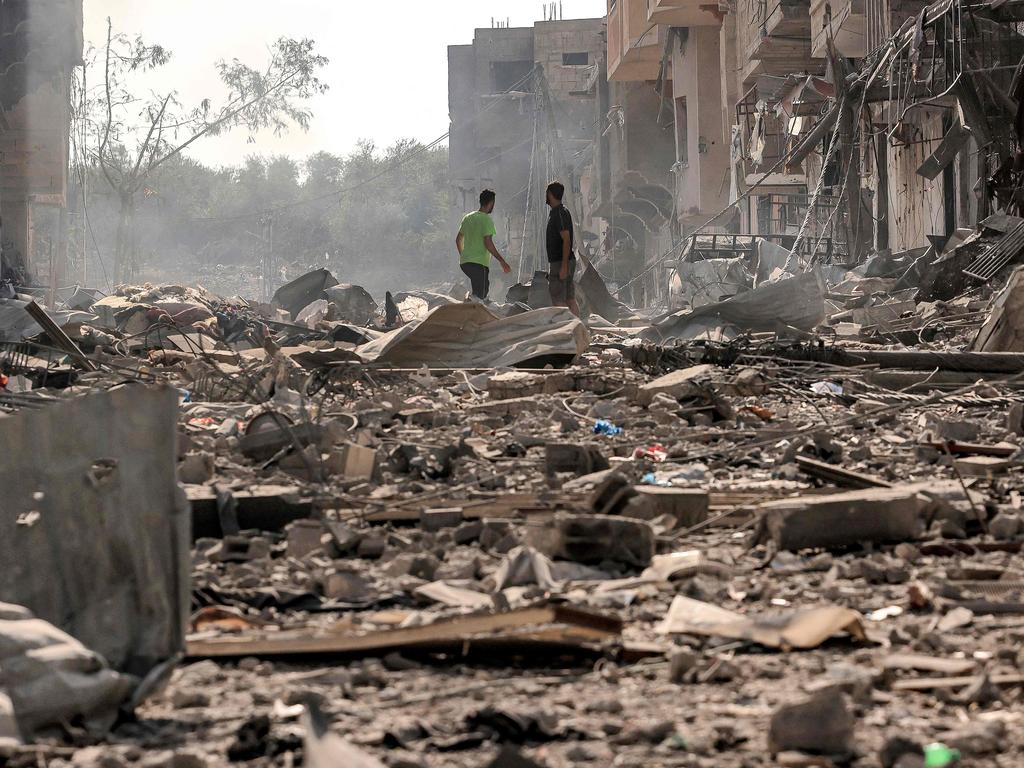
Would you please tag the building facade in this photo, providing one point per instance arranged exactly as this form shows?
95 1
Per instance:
522 109
833 128
40 45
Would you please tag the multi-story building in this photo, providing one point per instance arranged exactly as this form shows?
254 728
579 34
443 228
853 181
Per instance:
833 127
40 44
522 109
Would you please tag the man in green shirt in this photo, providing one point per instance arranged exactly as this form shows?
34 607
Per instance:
475 242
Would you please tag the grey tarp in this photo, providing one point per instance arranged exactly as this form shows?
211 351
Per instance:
598 299
47 678
17 324
352 303
470 336
303 290
106 556
797 301
707 281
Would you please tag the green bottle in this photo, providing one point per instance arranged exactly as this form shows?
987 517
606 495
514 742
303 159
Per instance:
939 756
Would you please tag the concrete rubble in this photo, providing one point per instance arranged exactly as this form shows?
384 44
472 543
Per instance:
491 538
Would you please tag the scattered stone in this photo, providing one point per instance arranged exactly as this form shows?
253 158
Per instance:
822 724
189 699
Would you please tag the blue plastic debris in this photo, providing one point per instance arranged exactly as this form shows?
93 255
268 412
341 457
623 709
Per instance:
604 427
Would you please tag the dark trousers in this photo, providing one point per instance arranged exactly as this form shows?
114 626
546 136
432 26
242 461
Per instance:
479 277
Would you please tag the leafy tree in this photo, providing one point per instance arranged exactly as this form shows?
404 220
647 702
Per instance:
379 218
129 138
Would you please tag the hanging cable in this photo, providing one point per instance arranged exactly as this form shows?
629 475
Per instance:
529 196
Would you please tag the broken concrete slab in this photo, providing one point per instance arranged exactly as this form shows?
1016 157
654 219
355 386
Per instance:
107 559
844 519
273 433
260 507
683 383
689 506
982 466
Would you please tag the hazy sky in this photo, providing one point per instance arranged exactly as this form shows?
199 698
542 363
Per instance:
388 74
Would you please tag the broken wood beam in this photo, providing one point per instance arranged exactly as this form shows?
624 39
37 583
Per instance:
933 683
57 335
837 475
262 507
1007 363
553 626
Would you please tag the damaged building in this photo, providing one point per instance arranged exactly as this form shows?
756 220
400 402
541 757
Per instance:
835 131
40 45
522 106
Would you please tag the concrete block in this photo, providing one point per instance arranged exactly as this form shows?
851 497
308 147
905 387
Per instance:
688 506
304 536
982 466
678 384
822 724
570 457
353 462
346 586
844 519
435 519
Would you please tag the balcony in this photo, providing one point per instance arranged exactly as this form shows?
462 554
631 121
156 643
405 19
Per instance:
775 38
781 216
684 13
848 21
635 46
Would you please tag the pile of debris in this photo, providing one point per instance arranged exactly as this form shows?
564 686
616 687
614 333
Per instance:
763 529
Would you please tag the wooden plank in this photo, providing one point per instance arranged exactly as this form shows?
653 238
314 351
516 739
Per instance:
1002 450
58 336
558 625
923 663
837 475
933 683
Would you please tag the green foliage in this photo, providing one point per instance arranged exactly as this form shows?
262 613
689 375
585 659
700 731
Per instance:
376 218
128 137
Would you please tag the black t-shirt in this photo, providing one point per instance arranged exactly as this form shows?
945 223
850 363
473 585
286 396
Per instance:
559 221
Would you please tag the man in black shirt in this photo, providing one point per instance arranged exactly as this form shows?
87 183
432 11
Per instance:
561 259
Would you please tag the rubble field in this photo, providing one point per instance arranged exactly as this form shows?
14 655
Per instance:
781 527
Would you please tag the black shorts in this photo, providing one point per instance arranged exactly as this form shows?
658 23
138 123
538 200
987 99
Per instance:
562 291
479 278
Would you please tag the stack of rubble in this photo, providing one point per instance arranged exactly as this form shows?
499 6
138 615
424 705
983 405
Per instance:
472 537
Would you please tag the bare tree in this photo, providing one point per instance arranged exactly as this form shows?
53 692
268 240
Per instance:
128 137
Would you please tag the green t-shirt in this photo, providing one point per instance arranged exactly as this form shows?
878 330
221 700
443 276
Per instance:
475 227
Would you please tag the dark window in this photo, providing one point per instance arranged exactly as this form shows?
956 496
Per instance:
510 75
575 59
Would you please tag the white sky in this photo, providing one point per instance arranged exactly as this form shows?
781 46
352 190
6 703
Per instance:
388 74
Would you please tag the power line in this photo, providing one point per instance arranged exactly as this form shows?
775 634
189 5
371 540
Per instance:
359 185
